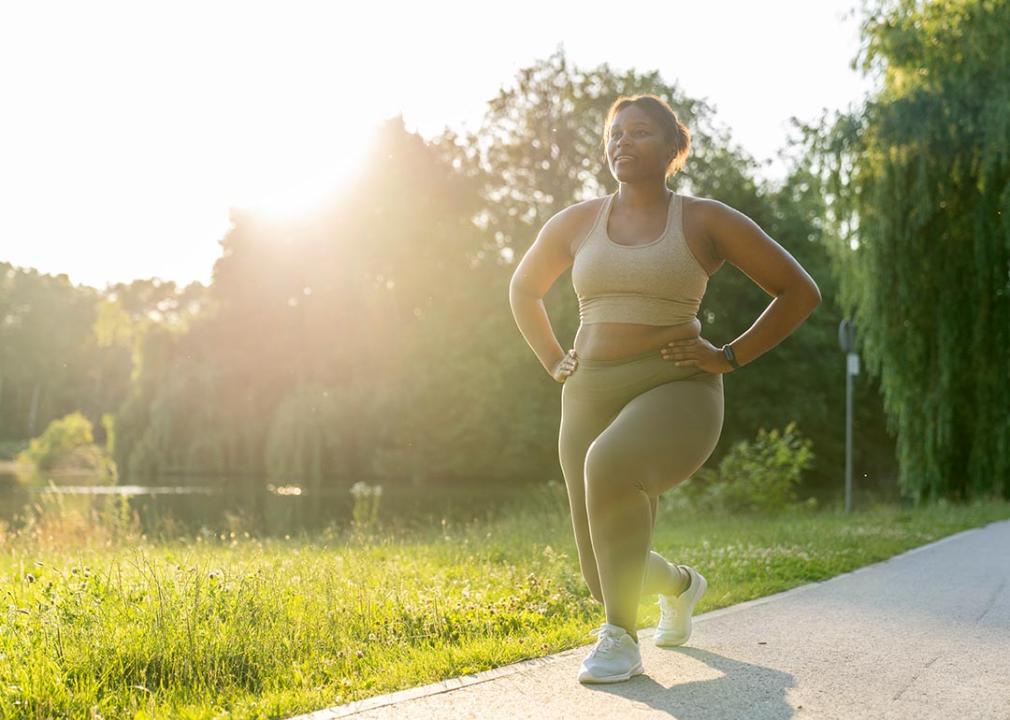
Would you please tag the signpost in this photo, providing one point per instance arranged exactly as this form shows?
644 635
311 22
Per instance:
847 341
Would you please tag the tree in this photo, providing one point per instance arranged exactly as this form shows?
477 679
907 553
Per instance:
919 182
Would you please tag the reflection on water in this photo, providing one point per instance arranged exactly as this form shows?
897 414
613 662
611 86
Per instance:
193 504
125 490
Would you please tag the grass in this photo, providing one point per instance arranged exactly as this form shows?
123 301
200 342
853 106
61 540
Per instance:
104 622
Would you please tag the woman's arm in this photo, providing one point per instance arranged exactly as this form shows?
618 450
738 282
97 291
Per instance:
543 263
739 240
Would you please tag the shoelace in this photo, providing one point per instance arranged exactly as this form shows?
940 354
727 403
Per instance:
606 640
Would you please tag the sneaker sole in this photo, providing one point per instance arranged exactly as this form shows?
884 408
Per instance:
590 679
668 639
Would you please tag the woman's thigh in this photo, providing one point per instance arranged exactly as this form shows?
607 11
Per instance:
581 424
598 393
582 420
662 436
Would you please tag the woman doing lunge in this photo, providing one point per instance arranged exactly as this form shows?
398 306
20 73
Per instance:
642 394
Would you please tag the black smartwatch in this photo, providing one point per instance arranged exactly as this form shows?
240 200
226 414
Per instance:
727 351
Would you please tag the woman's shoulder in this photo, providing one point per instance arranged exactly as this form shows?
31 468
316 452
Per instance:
707 205
585 208
578 215
705 213
579 218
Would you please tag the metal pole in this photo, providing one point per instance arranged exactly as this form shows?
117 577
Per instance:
848 433
847 341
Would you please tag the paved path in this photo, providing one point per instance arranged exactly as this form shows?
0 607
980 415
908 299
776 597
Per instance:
923 635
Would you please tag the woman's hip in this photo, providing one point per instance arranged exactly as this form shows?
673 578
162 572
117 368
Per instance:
598 385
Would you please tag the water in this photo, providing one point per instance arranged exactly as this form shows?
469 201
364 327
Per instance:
192 505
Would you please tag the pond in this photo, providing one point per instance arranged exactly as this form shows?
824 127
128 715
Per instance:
192 504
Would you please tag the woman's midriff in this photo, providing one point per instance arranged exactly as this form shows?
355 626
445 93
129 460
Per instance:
613 341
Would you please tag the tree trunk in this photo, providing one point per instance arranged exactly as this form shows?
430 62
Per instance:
33 413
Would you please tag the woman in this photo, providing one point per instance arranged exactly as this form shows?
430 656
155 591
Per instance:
642 395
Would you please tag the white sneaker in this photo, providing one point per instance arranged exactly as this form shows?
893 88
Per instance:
674 626
616 657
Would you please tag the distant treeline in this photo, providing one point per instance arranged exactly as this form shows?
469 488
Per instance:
373 339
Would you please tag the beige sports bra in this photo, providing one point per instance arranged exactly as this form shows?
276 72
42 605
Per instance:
658 283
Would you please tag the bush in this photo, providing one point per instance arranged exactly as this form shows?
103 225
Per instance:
759 475
67 443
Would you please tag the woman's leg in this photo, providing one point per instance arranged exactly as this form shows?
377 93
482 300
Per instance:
583 417
657 440
661 576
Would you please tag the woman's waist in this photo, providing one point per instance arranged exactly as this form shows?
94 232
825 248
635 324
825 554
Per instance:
614 340
627 308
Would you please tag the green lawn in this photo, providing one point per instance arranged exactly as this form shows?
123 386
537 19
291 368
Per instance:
240 627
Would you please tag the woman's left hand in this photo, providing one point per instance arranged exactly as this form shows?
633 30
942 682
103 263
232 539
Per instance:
696 351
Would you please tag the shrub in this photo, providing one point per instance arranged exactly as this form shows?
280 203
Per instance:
67 443
763 474
759 475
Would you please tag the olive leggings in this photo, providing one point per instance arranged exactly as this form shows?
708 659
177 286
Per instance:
630 429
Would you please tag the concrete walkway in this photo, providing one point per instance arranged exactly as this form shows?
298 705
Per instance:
925 634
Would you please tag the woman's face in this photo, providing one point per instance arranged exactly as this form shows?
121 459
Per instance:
638 140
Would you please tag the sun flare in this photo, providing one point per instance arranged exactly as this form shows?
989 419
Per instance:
290 181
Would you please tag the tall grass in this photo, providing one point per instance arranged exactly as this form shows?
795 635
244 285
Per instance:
104 621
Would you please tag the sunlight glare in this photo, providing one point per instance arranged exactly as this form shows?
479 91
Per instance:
289 183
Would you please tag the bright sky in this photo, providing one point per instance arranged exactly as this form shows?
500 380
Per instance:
128 129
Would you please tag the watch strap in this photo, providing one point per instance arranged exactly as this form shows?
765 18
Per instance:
727 351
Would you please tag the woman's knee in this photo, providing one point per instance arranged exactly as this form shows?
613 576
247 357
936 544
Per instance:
610 468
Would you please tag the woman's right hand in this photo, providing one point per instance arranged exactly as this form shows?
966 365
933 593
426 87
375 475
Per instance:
565 367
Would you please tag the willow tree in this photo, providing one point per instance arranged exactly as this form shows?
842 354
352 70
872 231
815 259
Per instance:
920 180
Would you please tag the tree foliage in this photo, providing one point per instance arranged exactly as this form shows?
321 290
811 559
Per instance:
919 181
372 339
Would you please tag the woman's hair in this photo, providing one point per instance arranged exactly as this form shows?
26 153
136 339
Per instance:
659 110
